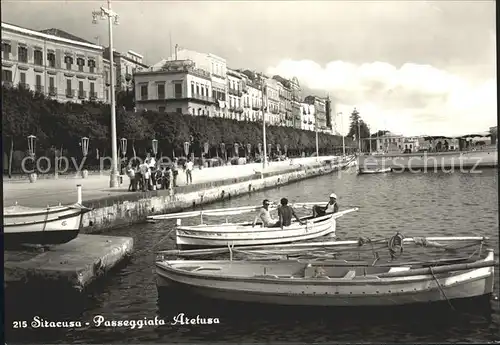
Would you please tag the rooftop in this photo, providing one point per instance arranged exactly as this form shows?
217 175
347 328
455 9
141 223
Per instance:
64 34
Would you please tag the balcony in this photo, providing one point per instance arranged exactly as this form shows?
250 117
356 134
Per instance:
39 88
24 86
144 97
246 105
239 110
93 96
70 93
52 91
255 107
7 83
208 99
82 94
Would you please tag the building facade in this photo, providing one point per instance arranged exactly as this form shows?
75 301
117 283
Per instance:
178 86
216 66
235 95
320 111
107 81
56 63
126 65
272 99
296 108
390 142
308 117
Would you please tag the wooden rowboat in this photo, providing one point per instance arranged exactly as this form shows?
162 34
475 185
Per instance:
374 170
243 233
50 225
291 282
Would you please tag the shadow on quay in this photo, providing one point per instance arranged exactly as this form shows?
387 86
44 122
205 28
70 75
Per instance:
49 301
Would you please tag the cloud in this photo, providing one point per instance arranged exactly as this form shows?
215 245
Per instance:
413 99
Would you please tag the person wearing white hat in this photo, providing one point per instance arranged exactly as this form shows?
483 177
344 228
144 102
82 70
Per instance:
331 207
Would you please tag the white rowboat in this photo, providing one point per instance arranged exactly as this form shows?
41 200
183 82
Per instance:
318 284
374 170
50 225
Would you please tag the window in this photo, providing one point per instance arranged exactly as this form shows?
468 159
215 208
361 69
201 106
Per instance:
192 89
6 51
178 90
80 62
197 89
161 91
178 110
38 57
51 58
7 76
68 60
161 109
22 78
22 53
92 90
144 92
107 95
81 93
69 92
91 64
52 89
214 94
203 90
38 83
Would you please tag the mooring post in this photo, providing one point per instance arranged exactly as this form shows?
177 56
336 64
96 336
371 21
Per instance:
79 193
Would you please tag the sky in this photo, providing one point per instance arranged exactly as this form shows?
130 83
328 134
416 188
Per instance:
414 68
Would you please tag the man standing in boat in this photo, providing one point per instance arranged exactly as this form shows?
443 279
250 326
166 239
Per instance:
285 213
264 215
331 207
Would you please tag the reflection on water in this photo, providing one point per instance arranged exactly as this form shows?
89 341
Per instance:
433 204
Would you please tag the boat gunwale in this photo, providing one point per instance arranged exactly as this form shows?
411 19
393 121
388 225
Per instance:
77 213
239 228
333 295
311 281
45 211
321 281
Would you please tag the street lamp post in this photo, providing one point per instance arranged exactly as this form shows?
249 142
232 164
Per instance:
343 135
103 13
263 125
317 139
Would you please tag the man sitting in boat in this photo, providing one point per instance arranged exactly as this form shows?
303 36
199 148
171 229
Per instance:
285 214
264 215
331 207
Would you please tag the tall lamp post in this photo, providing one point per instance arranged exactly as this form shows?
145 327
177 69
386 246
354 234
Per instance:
343 136
112 16
263 87
317 139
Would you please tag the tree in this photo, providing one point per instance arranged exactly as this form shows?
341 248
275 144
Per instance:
358 128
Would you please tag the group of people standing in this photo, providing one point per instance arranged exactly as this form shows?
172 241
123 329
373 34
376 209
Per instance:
149 175
286 212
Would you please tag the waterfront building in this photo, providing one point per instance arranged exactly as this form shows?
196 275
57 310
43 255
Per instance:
308 117
320 111
126 65
176 86
107 83
254 96
390 142
235 94
296 109
285 95
216 66
272 101
62 66
331 124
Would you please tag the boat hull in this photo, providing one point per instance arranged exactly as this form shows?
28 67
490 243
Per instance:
337 293
54 225
237 235
374 171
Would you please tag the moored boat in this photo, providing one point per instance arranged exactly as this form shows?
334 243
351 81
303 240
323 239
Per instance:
374 170
291 282
44 226
244 234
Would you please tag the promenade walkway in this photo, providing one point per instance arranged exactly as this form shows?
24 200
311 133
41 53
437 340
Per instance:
63 190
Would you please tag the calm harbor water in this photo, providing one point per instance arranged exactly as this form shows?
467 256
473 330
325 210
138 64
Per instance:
424 204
